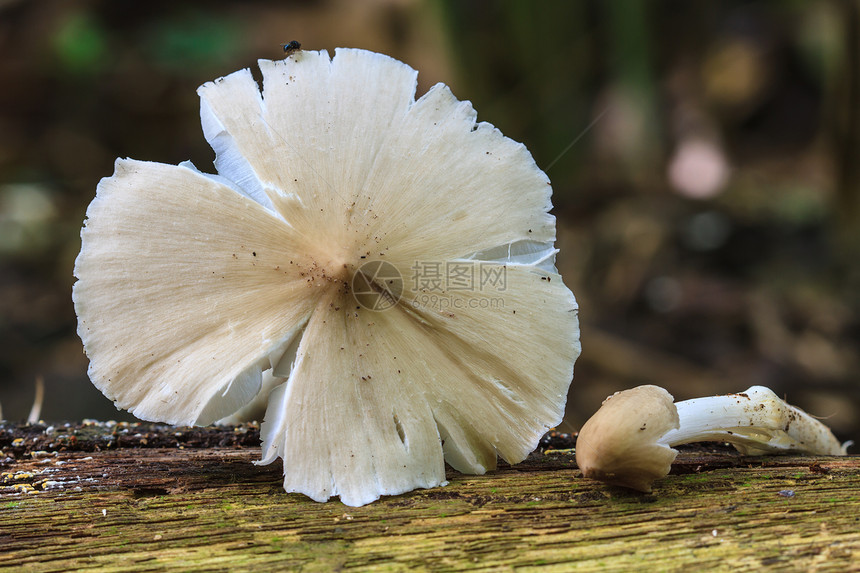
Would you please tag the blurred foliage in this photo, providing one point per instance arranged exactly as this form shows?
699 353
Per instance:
190 40
81 44
704 159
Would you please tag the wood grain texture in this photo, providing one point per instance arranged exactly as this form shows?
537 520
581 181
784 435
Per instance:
210 509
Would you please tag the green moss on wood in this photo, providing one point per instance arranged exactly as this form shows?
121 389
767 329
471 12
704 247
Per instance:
211 509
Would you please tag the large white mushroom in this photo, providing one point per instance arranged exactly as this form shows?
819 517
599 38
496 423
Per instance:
191 285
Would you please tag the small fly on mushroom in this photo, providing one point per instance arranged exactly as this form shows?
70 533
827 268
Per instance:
291 47
200 296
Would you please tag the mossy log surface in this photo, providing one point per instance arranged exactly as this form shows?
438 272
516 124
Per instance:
200 505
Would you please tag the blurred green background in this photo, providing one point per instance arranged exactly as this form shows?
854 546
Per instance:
705 160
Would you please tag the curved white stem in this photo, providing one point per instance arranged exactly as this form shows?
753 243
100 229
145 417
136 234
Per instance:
756 422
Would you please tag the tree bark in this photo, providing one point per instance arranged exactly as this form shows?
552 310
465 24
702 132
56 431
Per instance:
210 509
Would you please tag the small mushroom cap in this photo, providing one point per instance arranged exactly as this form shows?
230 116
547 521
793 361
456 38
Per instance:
619 444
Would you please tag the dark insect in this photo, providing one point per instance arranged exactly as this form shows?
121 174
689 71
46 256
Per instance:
291 47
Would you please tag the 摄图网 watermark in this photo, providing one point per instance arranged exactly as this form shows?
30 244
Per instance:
436 285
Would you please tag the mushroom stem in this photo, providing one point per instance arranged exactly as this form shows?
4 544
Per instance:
755 422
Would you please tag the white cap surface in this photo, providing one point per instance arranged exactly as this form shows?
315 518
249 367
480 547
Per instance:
190 285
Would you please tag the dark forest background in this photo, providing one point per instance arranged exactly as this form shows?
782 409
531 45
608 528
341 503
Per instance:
705 160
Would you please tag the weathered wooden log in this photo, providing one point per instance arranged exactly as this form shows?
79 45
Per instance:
207 508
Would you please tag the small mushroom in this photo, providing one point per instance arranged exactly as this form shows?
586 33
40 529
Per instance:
628 442
620 444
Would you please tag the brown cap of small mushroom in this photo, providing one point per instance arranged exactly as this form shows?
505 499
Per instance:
619 444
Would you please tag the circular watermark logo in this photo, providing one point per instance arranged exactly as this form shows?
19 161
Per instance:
377 285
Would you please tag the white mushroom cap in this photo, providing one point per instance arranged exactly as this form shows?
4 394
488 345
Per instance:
191 285
620 443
